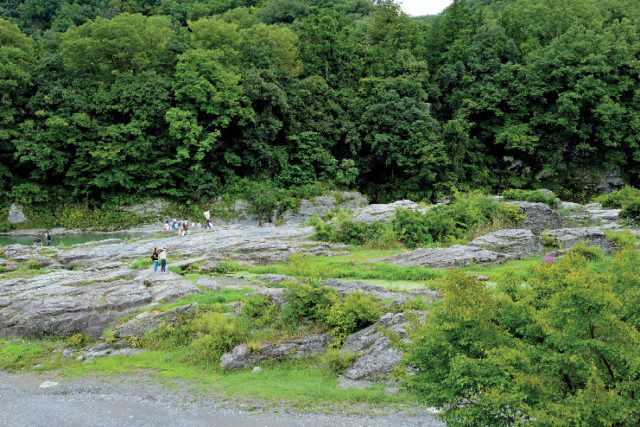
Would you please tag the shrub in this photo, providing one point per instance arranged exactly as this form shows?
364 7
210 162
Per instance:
307 302
620 199
77 341
257 312
589 252
631 211
216 335
356 311
336 361
530 196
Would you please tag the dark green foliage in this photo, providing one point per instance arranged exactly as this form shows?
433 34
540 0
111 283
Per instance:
192 100
448 223
530 196
216 334
627 199
559 349
307 302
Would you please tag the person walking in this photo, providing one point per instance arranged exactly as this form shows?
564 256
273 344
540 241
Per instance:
186 228
181 228
155 258
207 217
48 237
163 260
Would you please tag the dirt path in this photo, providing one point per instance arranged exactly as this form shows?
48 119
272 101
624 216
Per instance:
140 400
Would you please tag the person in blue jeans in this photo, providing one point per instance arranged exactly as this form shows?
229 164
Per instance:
155 258
163 260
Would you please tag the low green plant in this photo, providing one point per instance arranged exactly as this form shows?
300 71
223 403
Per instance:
257 312
356 311
226 267
306 302
619 199
32 264
216 334
78 341
337 361
141 262
530 196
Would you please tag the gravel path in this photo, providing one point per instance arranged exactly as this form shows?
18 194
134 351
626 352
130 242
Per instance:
140 400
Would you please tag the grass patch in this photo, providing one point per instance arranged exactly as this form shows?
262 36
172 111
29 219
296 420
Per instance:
300 383
25 354
357 266
210 298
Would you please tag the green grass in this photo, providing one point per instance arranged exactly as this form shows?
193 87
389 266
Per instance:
357 265
297 383
23 273
25 354
210 298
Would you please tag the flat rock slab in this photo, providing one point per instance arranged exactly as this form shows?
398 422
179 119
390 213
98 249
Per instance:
566 238
149 321
67 302
453 256
379 292
384 212
519 243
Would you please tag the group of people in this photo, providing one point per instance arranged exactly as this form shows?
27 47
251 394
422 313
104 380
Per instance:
47 238
159 255
182 226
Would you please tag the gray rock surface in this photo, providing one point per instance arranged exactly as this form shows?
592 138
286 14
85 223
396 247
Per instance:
148 321
519 243
67 302
593 236
538 216
151 208
241 356
16 214
384 212
379 292
453 256
378 357
323 204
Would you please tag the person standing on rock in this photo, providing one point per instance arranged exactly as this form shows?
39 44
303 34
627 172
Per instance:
185 228
181 228
155 258
48 237
207 217
163 260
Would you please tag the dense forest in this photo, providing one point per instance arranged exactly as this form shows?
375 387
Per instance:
105 99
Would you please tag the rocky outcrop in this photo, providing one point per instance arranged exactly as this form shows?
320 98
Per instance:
566 238
538 216
385 212
323 204
377 356
152 208
379 292
454 256
16 214
67 302
149 321
519 243
242 356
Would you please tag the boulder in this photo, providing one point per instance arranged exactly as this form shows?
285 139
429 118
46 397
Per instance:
453 256
278 278
241 356
519 243
377 356
538 216
569 237
276 295
323 204
16 214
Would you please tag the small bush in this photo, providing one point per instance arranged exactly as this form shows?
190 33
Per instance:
257 312
216 335
536 196
356 311
307 302
226 267
78 341
631 211
32 264
589 252
620 199
336 361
